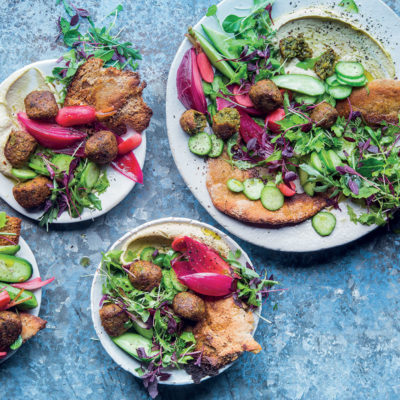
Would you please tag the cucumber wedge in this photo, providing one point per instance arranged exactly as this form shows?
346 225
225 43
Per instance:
14 269
304 99
13 292
90 175
180 287
304 84
130 342
324 223
11 249
23 173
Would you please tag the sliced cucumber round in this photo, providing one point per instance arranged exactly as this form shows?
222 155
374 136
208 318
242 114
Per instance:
23 173
349 69
358 82
200 144
324 223
340 92
62 162
332 80
253 188
304 84
309 188
130 342
235 185
217 147
272 198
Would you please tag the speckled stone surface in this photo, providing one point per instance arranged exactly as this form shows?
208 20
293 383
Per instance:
336 333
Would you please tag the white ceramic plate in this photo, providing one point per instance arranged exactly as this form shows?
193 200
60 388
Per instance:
26 253
374 17
178 377
119 188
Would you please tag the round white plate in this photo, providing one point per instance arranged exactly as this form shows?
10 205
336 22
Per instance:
120 186
124 360
374 17
26 253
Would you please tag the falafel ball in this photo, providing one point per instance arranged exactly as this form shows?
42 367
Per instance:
144 275
33 193
226 123
20 146
113 318
324 115
101 147
41 104
193 122
10 329
266 96
188 305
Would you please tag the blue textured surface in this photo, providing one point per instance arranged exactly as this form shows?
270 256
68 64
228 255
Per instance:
336 333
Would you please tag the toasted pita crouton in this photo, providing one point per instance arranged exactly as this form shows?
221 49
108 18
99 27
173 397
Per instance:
109 89
225 332
296 209
13 225
381 102
31 325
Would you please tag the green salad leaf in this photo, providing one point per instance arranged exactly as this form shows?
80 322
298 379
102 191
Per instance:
349 6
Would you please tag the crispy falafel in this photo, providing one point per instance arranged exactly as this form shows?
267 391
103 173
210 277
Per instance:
144 275
33 193
266 96
101 147
19 147
324 115
113 318
188 305
226 123
10 329
41 104
193 122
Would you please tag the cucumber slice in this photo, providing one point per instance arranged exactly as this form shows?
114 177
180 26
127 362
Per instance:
332 80
349 69
358 82
324 223
340 92
334 159
323 155
304 99
235 185
145 332
309 188
13 292
38 165
316 162
217 147
200 144
23 173
14 269
62 162
180 287
166 280
11 249
304 84
130 342
253 188
272 198
147 254
90 175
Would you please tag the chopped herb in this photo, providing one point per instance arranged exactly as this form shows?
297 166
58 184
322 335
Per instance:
309 63
349 6
212 10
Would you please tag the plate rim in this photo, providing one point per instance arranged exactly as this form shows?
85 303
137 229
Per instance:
90 215
94 307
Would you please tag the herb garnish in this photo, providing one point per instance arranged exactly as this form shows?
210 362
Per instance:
96 42
349 6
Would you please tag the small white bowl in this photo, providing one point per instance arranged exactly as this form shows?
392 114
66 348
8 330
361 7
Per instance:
124 360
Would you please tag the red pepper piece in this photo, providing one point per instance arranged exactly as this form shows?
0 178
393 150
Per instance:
128 165
4 300
208 283
130 144
286 190
273 118
242 99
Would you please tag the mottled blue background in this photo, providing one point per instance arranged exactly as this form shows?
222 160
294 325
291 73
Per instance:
335 334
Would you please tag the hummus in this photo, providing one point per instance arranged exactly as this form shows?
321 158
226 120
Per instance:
12 94
160 236
323 28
